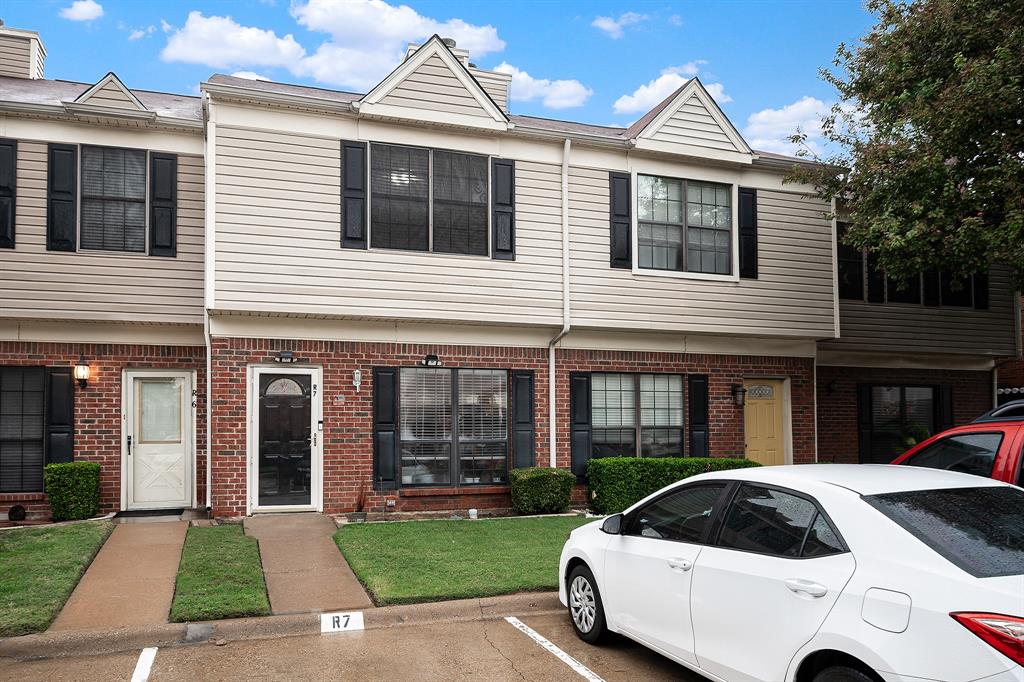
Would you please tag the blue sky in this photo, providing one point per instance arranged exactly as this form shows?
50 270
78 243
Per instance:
598 62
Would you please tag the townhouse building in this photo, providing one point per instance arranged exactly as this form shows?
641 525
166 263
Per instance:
290 298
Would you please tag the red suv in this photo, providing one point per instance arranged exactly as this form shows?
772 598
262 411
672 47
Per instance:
990 446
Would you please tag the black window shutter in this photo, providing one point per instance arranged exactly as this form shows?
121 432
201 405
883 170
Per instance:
748 233
581 443
8 180
699 415
163 205
876 281
621 218
864 422
62 197
981 291
944 413
503 209
60 415
353 195
385 427
931 287
523 452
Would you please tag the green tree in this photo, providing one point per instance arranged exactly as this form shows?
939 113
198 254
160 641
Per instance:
929 124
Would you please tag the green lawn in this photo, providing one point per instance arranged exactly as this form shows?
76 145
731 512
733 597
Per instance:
39 568
220 576
420 561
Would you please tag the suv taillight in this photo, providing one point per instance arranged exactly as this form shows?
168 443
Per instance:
1005 634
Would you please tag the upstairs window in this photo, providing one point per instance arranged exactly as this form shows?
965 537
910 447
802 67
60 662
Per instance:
428 200
113 199
683 225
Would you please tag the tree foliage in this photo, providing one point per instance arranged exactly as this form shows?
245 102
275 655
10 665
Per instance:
929 126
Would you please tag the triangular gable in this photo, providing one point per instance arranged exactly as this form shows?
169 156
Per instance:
110 92
690 121
433 85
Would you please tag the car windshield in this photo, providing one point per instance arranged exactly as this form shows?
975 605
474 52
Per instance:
980 530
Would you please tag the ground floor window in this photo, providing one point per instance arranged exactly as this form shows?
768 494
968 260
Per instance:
636 415
21 429
896 418
454 426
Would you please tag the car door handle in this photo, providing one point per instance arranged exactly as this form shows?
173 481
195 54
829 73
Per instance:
807 587
680 564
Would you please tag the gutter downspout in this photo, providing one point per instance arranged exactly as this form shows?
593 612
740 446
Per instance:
208 277
565 305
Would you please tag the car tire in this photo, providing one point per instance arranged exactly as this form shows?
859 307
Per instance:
586 610
842 673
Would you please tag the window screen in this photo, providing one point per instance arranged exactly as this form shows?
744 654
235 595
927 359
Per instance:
483 425
660 223
661 415
113 199
613 420
400 194
625 407
426 422
684 225
708 228
460 203
21 429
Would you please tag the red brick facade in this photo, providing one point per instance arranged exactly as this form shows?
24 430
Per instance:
97 436
348 420
838 438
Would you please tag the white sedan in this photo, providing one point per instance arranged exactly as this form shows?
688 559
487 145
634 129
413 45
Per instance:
812 573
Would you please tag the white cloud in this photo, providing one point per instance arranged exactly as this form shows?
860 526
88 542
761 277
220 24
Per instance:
138 33
768 129
249 75
647 96
166 26
554 94
614 27
220 42
675 20
82 10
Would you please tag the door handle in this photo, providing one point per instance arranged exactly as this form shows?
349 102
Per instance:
129 446
808 587
680 564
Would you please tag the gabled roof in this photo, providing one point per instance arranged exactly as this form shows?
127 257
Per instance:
464 103
110 91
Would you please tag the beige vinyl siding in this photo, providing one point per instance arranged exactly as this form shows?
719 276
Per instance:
15 56
792 297
693 125
434 87
111 96
278 244
900 328
494 86
91 285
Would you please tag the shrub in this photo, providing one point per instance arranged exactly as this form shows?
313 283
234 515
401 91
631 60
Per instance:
618 482
539 490
73 490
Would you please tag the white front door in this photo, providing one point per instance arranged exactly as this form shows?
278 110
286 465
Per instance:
157 439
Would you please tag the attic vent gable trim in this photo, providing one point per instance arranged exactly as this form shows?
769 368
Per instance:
111 77
696 89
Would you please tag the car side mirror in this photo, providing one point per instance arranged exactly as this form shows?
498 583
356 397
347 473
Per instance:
613 525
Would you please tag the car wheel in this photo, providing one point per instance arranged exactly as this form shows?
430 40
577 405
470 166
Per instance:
841 673
585 607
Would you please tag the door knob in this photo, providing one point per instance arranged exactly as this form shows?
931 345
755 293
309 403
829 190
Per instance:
680 564
808 587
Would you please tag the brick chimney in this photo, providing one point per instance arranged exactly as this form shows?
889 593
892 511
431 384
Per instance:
22 54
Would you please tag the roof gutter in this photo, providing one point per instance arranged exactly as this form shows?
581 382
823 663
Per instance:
278 97
566 319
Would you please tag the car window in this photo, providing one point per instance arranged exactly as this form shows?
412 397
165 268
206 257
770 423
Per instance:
981 530
822 539
681 516
969 453
767 521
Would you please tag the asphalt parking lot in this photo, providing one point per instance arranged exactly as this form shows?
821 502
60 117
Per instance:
481 650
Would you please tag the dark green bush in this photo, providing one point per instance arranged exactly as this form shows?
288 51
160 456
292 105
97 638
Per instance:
539 490
73 490
617 482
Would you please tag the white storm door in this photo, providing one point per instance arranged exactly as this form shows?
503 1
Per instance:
158 440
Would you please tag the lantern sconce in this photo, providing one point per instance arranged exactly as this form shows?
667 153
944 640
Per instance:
431 361
739 395
357 379
82 372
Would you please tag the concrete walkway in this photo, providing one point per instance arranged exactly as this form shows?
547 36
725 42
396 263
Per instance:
130 583
304 569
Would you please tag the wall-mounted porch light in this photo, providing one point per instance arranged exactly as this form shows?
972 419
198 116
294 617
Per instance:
739 395
431 361
82 371
284 356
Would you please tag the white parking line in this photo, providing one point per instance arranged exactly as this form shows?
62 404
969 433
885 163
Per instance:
584 672
144 665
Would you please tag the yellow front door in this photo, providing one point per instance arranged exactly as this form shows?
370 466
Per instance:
762 421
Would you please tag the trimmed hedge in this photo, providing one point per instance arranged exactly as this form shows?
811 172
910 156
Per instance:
618 482
73 490
540 490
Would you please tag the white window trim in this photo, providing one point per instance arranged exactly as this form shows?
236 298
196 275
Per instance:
733 232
